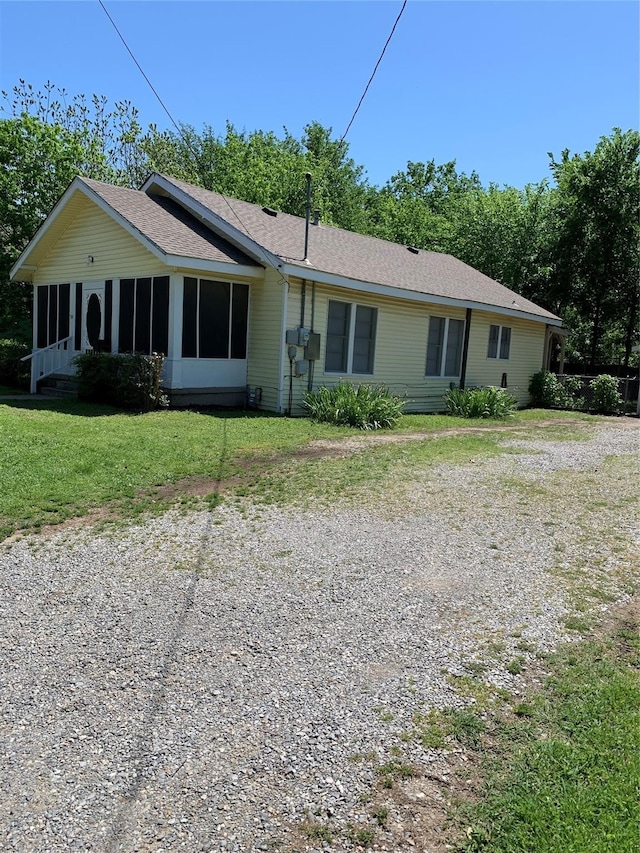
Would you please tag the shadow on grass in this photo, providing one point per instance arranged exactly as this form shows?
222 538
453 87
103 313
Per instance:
94 410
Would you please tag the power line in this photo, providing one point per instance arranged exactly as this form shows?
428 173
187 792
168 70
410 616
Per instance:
187 142
373 74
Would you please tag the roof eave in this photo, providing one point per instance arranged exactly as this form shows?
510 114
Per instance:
218 267
413 295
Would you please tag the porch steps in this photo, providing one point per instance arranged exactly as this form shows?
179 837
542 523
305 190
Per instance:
59 385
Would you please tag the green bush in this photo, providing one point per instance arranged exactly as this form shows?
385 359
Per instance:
130 381
606 397
480 403
12 370
363 406
548 391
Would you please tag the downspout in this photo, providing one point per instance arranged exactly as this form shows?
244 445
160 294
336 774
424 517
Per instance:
465 349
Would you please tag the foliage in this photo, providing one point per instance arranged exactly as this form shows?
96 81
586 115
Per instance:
548 392
606 397
480 403
596 223
12 370
130 381
366 407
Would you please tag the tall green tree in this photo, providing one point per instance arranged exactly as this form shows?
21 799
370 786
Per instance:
37 161
597 250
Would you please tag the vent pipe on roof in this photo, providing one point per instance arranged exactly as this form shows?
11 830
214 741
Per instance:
316 217
307 217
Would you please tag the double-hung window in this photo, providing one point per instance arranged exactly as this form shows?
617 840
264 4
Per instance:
444 347
499 342
351 337
214 319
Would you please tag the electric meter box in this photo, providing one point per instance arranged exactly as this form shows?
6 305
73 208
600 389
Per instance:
312 349
302 367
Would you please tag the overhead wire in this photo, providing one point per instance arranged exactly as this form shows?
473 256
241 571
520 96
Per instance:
261 250
373 73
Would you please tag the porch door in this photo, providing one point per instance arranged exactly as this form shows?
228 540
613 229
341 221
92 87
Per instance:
93 315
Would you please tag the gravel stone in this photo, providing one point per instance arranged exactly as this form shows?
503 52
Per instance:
208 681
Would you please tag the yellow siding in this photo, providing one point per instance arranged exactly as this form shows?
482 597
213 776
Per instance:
525 356
265 320
401 348
115 253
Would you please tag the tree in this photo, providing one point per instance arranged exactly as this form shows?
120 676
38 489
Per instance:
597 249
37 162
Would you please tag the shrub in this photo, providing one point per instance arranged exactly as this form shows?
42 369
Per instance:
480 403
130 381
12 370
362 406
606 397
548 391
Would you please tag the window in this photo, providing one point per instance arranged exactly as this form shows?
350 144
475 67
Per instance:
214 319
144 315
351 335
444 346
499 342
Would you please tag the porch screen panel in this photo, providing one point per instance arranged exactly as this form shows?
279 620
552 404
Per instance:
214 319
42 338
108 312
53 313
77 332
125 325
64 294
189 318
142 337
160 315
239 312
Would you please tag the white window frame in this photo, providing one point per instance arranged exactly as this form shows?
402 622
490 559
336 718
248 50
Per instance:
351 338
443 356
498 356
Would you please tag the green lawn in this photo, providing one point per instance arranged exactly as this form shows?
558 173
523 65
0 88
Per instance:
60 459
564 776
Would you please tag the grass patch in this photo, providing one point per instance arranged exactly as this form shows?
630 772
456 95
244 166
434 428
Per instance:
562 774
60 459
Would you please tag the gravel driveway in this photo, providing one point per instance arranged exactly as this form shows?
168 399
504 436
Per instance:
203 681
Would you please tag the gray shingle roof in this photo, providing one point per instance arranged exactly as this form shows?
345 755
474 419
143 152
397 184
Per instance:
171 228
333 251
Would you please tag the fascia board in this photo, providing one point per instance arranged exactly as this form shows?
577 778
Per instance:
213 220
411 295
219 267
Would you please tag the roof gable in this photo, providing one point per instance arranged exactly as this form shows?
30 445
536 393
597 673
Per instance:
168 231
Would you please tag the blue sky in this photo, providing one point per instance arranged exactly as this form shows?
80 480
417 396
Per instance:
493 85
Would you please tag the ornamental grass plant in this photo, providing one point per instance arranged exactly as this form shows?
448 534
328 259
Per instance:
365 407
480 403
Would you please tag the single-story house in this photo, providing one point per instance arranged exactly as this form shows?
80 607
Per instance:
245 300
